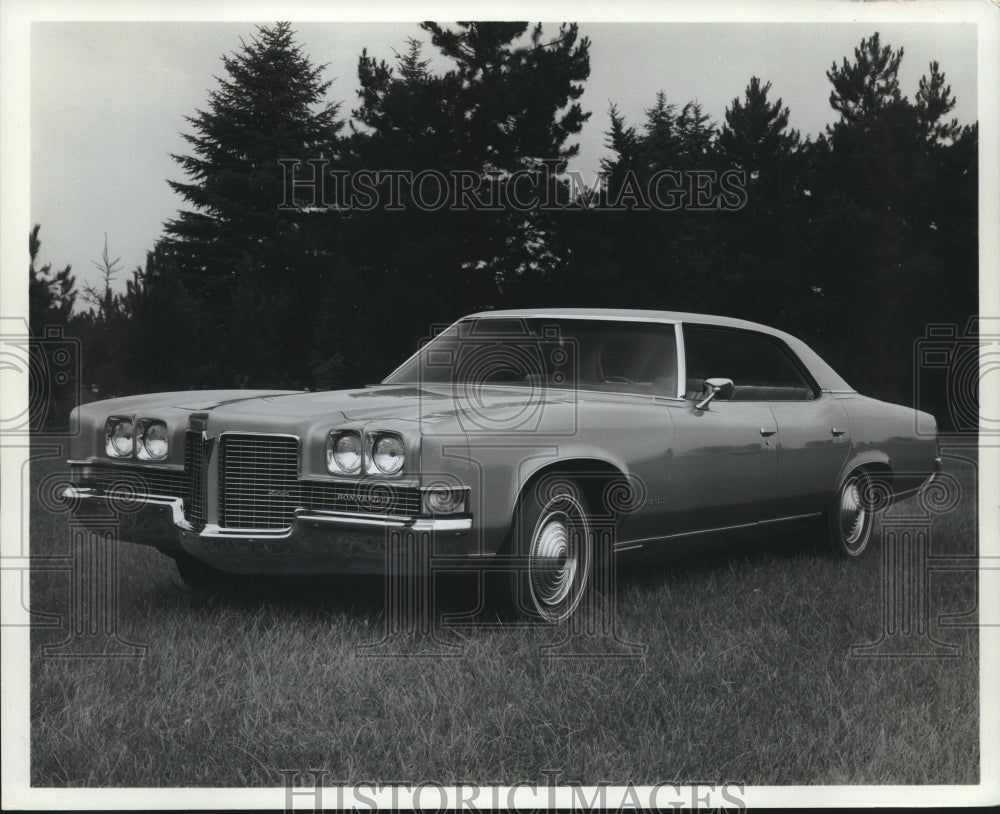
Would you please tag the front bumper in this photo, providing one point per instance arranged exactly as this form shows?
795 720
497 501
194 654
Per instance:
316 542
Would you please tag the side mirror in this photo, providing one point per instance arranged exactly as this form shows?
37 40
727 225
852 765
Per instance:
715 388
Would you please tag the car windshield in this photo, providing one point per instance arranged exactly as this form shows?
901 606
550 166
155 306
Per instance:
610 355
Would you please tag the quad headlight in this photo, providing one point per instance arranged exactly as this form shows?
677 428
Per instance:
387 456
119 437
348 452
146 439
151 442
343 453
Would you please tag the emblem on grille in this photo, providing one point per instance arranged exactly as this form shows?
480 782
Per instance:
376 499
278 493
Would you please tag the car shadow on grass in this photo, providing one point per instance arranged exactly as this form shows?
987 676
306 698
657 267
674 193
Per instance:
454 595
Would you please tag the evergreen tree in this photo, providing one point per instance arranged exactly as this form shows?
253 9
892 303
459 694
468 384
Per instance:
762 277
864 88
933 102
665 252
507 102
51 294
756 133
270 105
894 185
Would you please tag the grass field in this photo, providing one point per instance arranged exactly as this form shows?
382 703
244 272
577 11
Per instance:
747 677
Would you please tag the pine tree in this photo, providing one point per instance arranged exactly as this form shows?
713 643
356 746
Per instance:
933 101
51 294
507 101
864 88
889 187
513 102
756 133
269 106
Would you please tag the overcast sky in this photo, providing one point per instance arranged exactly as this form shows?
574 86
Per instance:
108 100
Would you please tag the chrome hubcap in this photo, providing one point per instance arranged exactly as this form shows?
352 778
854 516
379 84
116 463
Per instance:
553 559
853 515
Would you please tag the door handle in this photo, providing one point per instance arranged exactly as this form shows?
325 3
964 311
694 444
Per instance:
766 432
837 433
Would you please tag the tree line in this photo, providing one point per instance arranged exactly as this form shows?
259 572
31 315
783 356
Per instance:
853 240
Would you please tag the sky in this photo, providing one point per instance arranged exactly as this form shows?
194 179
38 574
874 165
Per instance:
108 100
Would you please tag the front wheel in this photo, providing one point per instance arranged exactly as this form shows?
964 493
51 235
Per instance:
551 537
851 516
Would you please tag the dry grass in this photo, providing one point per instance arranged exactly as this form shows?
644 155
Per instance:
747 677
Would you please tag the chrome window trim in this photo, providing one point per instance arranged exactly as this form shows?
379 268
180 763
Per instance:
681 360
610 318
797 363
652 320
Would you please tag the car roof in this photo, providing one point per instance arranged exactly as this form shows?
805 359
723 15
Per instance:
826 376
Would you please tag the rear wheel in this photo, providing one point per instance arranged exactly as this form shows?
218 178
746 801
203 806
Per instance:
551 537
851 516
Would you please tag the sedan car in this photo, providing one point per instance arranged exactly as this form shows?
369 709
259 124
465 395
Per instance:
539 443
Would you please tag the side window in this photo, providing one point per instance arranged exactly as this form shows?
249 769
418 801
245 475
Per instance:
761 367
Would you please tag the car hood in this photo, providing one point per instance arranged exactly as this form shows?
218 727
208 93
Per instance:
378 402
435 408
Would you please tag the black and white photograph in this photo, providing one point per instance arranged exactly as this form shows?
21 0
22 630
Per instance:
576 407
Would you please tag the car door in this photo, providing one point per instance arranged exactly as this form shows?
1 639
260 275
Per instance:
811 435
723 466
813 440
719 471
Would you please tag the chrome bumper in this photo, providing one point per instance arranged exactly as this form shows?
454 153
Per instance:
316 542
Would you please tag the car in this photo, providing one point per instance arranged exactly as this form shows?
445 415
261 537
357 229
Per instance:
540 443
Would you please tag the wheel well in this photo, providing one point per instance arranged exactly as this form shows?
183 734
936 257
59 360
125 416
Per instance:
592 475
879 471
882 476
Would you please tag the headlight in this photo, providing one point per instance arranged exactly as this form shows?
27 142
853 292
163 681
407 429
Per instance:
387 454
151 442
343 453
118 434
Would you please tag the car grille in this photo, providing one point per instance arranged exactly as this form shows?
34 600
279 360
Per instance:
258 481
140 481
259 486
366 497
194 466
